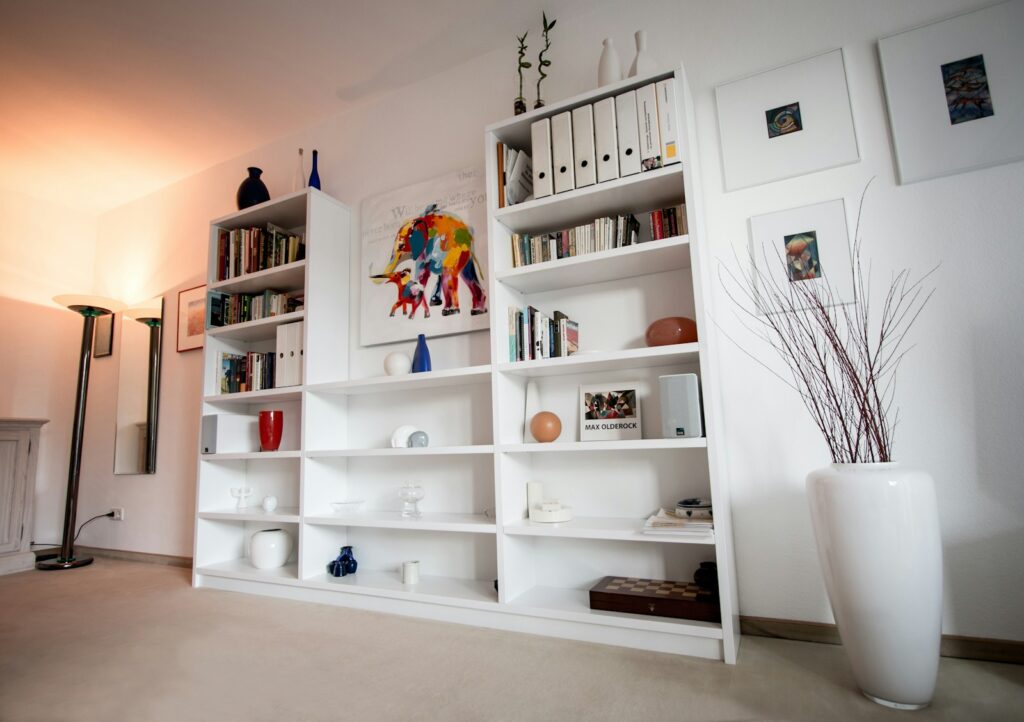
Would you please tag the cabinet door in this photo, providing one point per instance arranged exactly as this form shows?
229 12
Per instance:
13 468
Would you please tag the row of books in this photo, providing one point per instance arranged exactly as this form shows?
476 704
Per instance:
630 133
251 371
534 335
248 250
668 222
225 309
515 176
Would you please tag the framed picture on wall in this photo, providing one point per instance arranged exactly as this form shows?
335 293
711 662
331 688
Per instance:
103 336
955 92
191 318
786 122
424 257
808 245
610 411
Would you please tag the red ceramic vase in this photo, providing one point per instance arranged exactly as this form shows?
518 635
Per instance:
271 427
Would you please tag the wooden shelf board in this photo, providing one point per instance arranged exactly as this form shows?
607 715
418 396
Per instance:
287 277
623 445
667 254
658 188
469 375
243 569
581 363
251 455
259 330
574 605
612 528
463 523
461 592
285 393
419 451
283 514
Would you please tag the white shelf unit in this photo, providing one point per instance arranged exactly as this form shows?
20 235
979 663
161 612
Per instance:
473 531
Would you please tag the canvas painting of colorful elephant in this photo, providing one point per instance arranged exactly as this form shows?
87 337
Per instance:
424 268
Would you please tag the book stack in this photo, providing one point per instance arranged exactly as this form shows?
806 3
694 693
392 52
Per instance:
668 222
253 371
225 309
673 523
515 176
533 335
601 234
248 250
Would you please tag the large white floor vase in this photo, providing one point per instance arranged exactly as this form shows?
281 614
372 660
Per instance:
877 529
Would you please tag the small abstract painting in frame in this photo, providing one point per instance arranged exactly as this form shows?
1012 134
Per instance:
810 245
191 318
955 92
609 412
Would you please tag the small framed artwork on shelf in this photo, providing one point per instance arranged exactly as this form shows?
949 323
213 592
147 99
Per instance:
103 339
609 412
191 318
955 93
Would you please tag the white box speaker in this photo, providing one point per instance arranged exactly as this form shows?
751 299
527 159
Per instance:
230 434
680 406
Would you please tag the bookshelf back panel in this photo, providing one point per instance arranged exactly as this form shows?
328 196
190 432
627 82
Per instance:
450 416
220 540
270 477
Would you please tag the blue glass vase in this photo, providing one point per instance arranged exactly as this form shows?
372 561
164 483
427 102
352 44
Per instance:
345 564
421 358
252 190
314 176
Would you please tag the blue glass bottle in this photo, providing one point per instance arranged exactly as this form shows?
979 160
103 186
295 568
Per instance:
421 358
344 564
314 176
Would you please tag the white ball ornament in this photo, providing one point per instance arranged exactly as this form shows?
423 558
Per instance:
397 363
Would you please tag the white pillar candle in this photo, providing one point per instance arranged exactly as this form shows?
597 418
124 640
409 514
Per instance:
410 572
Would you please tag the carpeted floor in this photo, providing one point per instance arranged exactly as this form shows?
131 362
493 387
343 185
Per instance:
127 641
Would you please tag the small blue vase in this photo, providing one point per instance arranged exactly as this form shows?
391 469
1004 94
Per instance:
314 176
345 564
252 190
421 358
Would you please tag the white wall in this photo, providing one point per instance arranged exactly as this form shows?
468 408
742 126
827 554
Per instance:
959 391
45 250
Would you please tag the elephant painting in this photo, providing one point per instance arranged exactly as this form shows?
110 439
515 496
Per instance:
438 243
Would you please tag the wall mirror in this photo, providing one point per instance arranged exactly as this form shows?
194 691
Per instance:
138 388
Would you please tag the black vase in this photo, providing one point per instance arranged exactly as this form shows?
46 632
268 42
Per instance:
252 190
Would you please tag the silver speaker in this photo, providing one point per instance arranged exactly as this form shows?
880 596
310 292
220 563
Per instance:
680 406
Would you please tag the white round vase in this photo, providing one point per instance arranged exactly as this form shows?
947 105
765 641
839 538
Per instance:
270 548
877 532
397 363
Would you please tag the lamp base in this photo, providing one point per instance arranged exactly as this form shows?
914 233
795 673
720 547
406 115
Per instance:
58 563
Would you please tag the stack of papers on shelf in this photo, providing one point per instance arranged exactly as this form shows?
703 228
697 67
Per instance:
667 522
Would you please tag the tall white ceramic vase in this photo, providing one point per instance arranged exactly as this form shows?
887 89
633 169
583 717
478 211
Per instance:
609 67
877 531
644 63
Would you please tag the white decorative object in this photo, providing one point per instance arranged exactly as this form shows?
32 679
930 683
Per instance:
242 494
411 572
269 503
347 506
299 179
544 510
938 78
820 231
397 363
419 440
270 548
414 238
400 436
786 122
644 63
532 406
877 531
609 67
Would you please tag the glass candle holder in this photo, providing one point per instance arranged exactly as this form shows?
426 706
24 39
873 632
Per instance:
410 494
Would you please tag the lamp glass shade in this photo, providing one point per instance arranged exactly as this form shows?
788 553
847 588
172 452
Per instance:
98 305
145 312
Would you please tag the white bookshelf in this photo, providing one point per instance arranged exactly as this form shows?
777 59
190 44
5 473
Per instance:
473 529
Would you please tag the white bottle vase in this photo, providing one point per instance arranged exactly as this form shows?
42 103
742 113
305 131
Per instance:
877 531
644 62
609 67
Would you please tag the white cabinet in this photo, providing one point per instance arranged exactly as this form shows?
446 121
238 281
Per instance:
473 530
19 450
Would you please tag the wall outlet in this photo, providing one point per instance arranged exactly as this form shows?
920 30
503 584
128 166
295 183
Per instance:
118 513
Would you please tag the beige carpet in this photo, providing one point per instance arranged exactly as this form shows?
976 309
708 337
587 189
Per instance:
128 641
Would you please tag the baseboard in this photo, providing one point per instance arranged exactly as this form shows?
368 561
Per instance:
165 559
986 650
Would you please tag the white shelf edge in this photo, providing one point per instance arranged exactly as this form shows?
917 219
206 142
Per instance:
242 569
405 382
267 274
431 589
418 451
630 530
249 455
237 329
623 445
284 515
473 523
247 397
579 362
614 254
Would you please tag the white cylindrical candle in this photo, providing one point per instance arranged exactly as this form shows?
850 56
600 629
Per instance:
410 572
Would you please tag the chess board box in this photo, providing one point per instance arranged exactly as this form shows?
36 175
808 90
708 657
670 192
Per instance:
656 597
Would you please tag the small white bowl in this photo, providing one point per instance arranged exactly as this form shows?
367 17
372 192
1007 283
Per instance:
342 507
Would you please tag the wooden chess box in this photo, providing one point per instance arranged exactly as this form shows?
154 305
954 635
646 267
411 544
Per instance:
656 597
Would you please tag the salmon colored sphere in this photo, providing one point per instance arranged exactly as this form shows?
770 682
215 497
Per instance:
545 426
671 330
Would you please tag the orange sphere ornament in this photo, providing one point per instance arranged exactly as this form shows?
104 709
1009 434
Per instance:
671 330
545 426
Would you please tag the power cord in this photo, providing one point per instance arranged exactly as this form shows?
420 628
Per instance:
54 544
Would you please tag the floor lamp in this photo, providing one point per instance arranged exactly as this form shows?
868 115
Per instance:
151 316
90 307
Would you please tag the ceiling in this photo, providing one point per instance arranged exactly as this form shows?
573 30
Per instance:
104 101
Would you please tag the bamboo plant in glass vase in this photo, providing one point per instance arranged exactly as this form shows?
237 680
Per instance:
875 522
